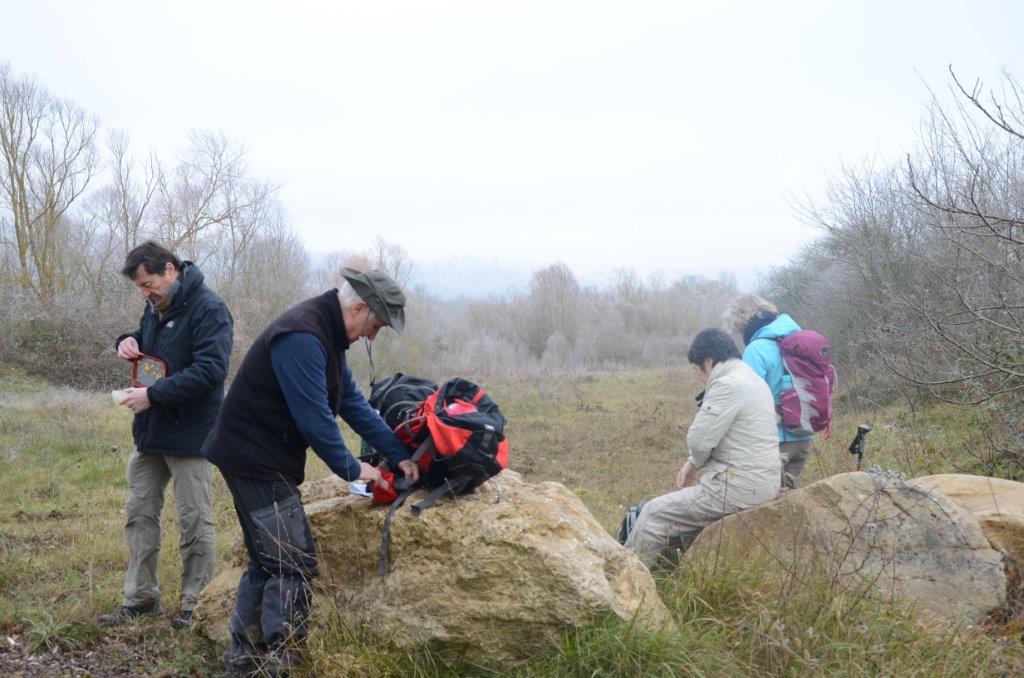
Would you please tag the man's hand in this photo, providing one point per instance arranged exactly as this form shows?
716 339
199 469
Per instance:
410 470
687 476
136 399
372 474
128 349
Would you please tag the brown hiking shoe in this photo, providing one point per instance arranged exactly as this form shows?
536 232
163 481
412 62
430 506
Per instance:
183 620
124 614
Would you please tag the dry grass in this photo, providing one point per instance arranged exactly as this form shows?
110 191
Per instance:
612 438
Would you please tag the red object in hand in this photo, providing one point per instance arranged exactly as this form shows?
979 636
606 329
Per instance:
384 495
147 370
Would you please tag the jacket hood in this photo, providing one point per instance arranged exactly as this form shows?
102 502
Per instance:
781 327
190 280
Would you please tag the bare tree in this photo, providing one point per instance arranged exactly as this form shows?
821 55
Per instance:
114 219
553 307
256 217
203 191
131 191
968 188
394 260
383 255
48 153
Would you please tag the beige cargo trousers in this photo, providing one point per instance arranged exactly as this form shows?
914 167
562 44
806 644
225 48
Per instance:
674 520
148 475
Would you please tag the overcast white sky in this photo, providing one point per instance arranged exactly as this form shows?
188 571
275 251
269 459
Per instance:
657 135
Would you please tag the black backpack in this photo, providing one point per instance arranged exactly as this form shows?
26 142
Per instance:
398 396
628 521
397 399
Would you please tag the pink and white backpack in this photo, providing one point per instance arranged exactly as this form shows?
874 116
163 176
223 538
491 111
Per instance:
806 407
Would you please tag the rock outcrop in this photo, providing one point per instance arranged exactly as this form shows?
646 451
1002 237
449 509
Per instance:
497 574
871 529
998 505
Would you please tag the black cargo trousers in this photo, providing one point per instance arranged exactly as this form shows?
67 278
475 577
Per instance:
274 593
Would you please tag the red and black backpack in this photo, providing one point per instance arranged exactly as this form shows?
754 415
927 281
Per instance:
455 433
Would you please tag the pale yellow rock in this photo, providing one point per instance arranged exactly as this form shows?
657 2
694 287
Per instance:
998 504
315 490
216 602
500 573
871 529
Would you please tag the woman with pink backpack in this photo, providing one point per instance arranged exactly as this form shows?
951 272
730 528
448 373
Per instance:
797 367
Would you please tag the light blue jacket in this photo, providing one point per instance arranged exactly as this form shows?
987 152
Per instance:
762 354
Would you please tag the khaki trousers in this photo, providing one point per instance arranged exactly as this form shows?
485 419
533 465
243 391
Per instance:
148 475
675 519
794 456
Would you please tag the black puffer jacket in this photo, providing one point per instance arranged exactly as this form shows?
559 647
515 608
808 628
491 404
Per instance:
194 338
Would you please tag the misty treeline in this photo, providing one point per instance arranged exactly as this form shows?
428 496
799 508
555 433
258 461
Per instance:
918 273
75 197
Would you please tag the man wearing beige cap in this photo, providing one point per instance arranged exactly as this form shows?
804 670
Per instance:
292 384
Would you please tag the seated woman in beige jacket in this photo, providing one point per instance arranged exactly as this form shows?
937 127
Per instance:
733 438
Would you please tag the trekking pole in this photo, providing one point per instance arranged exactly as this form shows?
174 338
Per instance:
857 446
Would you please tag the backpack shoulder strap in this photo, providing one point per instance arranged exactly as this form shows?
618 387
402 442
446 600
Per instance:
384 551
426 447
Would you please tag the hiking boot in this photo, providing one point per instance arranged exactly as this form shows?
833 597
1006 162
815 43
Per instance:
183 620
279 663
241 666
241 658
125 614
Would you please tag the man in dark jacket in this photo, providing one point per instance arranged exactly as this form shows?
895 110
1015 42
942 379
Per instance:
186 325
292 384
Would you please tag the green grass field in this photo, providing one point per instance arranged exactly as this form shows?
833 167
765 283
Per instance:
612 438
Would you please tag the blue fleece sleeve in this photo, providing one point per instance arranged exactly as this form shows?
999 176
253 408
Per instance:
365 421
299 362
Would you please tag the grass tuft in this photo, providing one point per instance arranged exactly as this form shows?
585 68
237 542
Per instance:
46 632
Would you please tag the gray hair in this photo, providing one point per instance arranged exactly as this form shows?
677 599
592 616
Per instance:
347 297
744 307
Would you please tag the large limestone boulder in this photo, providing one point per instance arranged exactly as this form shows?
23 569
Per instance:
497 574
871 529
998 505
